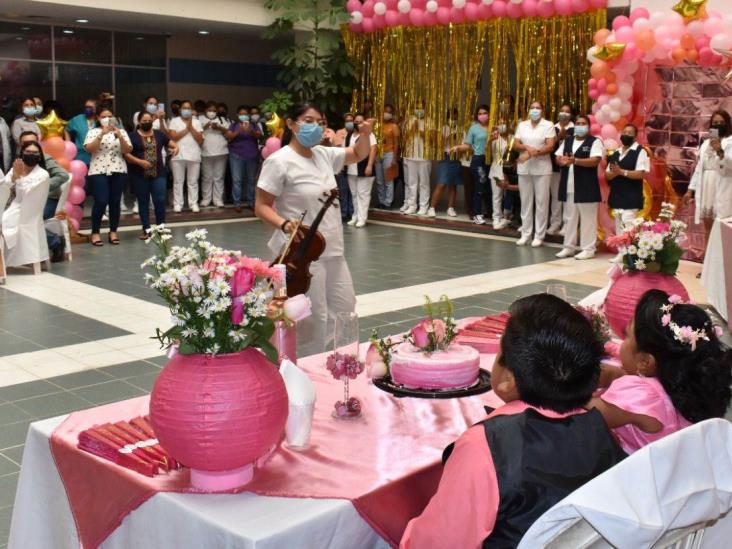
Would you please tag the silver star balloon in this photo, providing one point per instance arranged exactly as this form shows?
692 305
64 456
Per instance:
728 55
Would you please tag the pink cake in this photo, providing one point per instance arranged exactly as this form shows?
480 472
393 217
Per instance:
454 368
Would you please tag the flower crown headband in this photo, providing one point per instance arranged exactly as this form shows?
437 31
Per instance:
684 334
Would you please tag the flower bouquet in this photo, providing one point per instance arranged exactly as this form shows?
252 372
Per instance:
652 246
436 332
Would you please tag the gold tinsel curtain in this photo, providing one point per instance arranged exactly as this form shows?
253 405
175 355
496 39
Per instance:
440 68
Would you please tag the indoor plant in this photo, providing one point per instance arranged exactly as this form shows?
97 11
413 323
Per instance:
219 404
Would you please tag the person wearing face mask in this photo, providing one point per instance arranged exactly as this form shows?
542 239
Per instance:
79 126
579 189
292 182
214 155
448 168
498 145
534 141
361 175
344 192
416 166
475 142
243 139
107 174
255 117
626 169
23 237
25 123
387 167
152 107
710 187
187 132
147 169
564 128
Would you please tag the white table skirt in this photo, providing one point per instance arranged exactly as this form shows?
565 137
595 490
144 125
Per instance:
713 272
42 517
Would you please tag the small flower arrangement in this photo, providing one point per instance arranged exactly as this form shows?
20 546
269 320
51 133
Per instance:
218 298
600 326
652 246
343 366
378 356
436 332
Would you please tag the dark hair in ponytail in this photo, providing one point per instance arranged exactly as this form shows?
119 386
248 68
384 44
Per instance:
697 381
295 112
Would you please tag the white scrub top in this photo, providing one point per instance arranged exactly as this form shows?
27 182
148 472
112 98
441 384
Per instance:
535 136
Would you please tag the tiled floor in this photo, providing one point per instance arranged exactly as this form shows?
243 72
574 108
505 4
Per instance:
79 336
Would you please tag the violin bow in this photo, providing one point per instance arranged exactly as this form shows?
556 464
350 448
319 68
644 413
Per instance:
292 238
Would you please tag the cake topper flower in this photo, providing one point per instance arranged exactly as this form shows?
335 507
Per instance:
436 332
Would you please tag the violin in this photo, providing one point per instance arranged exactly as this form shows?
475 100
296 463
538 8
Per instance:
297 256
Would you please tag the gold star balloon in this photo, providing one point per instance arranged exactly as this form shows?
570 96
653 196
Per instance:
609 52
276 125
51 126
691 10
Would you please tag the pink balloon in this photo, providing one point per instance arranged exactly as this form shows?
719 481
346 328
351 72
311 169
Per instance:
76 213
592 83
564 7
74 223
68 208
595 129
78 170
368 24
457 15
404 18
392 18
514 11
601 85
353 5
379 21
76 195
639 13
355 27
416 17
418 4
593 93
70 150
485 11
630 52
713 26
620 22
499 8
391 4
609 132
625 35
443 15
598 4
701 42
368 8
472 12
430 19
546 9
695 28
580 6
531 8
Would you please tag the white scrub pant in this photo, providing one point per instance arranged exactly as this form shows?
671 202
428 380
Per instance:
361 195
534 188
584 215
417 183
185 171
213 171
622 218
557 208
497 194
331 292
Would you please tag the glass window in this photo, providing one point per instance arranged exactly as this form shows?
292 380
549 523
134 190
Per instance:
133 86
147 50
23 79
83 45
22 41
77 83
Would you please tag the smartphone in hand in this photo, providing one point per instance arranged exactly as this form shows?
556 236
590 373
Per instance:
714 133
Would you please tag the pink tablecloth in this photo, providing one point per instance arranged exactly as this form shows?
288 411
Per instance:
387 463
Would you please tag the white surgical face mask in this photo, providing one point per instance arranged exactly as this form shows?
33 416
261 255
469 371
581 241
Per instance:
211 115
105 121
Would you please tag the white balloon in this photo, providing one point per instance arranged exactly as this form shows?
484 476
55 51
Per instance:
516 1
615 103
625 108
356 17
432 6
404 6
657 19
459 4
601 117
614 116
625 91
487 2
719 42
380 8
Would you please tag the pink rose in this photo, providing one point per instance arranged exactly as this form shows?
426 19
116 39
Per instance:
420 334
298 308
718 331
375 366
675 299
242 281
661 228
237 310
666 319
440 330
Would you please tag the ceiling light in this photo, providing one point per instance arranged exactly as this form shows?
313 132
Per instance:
68 31
25 28
82 20
139 38
203 32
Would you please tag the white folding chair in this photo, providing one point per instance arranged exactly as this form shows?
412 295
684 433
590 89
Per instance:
676 492
4 196
61 226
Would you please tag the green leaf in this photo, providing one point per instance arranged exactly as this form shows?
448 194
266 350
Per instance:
269 351
186 348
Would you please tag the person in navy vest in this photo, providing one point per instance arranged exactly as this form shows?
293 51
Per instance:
564 128
505 472
626 169
579 189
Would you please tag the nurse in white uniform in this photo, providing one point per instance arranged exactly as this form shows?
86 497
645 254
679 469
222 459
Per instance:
292 181
535 140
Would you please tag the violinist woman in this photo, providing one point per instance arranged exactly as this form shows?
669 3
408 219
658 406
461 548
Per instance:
296 179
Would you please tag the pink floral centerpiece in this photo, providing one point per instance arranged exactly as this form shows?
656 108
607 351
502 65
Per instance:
219 404
650 252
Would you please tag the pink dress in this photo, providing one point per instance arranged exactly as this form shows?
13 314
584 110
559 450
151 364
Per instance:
644 396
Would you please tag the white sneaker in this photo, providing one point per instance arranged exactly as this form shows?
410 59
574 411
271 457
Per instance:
585 255
422 211
177 209
537 243
360 224
500 224
411 210
195 209
218 204
135 207
554 229
523 241
478 220
431 213
451 212
563 231
204 204
352 222
404 207
565 252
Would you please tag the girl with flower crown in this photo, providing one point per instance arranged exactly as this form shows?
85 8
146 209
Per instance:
675 372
